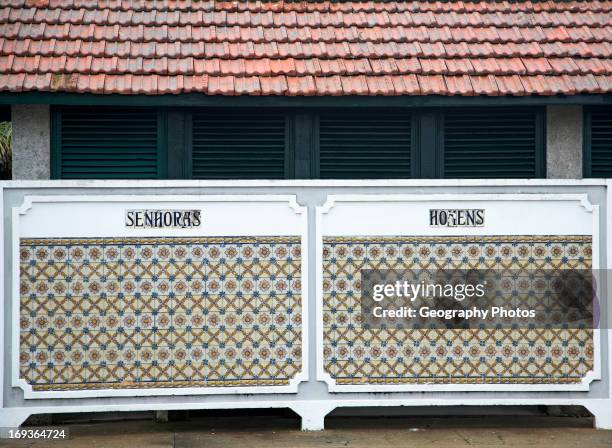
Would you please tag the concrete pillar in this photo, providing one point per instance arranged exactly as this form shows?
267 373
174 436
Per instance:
564 142
31 141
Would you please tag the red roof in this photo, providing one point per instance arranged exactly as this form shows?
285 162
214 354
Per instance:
306 48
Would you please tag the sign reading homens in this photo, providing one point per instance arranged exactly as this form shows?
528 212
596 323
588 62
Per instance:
456 217
160 219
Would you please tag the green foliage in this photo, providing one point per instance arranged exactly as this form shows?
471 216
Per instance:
6 152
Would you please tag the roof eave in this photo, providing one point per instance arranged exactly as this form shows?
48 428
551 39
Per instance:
201 100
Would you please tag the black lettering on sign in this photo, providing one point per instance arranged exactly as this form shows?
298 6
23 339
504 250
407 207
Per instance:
456 217
129 218
161 219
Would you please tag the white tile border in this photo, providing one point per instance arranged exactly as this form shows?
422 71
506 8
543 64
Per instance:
29 201
332 200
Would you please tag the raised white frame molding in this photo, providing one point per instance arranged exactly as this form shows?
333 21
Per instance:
317 183
30 200
312 411
332 200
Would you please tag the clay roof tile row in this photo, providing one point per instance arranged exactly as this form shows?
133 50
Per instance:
302 67
464 85
307 19
271 49
306 48
258 6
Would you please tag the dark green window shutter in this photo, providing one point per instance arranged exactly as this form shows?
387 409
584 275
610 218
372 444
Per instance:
5 113
493 143
107 143
239 144
371 144
598 138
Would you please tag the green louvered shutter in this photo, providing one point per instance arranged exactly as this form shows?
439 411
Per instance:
108 143
493 143
5 113
238 144
599 137
372 144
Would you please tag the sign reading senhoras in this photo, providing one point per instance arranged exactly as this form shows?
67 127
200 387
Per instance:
161 219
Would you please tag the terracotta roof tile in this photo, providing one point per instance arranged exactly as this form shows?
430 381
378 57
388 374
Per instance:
594 66
155 66
406 85
513 65
559 86
536 66
432 85
329 85
221 85
259 67
459 66
247 85
355 85
564 65
358 67
229 67
172 84
306 48
582 84
140 84
536 84
510 85
15 83
604 83
531 34
487 65
208 66
301 67
459 85
433 66
301 85
383 66
124 83
273 85
484 85
380 85
408 65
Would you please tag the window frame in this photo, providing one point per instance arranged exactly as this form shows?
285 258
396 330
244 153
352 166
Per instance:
540 141
56 141
587 139
302 141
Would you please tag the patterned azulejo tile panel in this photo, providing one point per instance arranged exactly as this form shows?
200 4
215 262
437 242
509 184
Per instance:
357 355
160 312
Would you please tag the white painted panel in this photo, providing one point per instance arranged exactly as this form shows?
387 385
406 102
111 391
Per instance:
409 215
104 216
94 217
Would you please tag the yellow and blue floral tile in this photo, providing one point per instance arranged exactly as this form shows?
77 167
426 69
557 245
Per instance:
160 312
357 355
